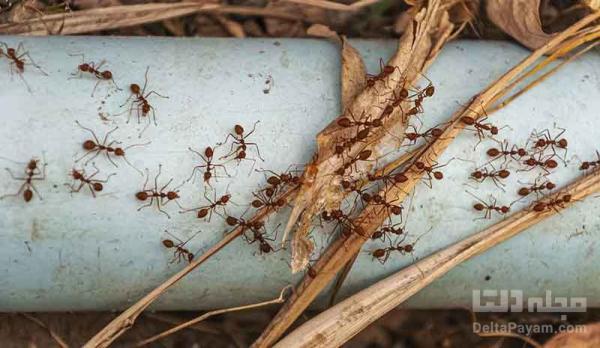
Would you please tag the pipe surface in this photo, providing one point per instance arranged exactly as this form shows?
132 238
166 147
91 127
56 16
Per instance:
70 251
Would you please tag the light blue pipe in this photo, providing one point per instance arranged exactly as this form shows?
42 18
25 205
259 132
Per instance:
74 252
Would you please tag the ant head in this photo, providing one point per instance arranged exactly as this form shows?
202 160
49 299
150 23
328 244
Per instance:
503 173
420 165
521 152
408 248
76 175
207 176
168 243
388 69
269 192
478 206
540 143
376 198
370 82
273 181
438 175
257 203
190 257
171 195
119 152
202 213
388 110
231 221
257 225
366 197
413 111
344 122
208 152
403 93
265 247
396 210
412 136
142 196
540 206
377 234
84 67
325 216
584 166
494 130
566 198
550 185
504 209
241 155
362 134
89 145
530 161
377 123
107 75
523 191
340 171
551 163
224 199
97 186
27 195
477 174
145 108
378 253
311 272
429 91
239 130
32 164
562 143
339 149
436 132
134 88
11 51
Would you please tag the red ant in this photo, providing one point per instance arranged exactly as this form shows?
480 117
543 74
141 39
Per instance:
489 207
96 147
431 133
494 175
32 173
94 185
532 163
385 71
553 204
588 164
342 219
346 122
208 210
209 165
180 252
361 156
385 231
239 144
537 188
158 194
17 61
515 152
262 200
421 95
285 178
390 208
431 171
94 70
140 101
382 254
543 140
347 143
257 236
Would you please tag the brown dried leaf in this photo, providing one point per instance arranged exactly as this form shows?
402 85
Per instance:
354 73
589 338
519 19
593 5
321 30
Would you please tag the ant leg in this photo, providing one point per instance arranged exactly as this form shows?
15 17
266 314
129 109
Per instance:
95 86
154 92
167 184
257 150
26 54
156 177
15 194
147 205
89 130
13 176
107 156
92 190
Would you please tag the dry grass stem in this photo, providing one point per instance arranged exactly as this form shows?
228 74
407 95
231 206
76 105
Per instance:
335 6
61 343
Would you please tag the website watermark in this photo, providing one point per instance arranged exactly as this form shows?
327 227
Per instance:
512 300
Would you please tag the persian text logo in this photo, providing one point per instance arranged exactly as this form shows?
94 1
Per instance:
512 300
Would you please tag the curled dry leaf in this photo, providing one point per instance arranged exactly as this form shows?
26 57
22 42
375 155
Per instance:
590 337
593 5
519 19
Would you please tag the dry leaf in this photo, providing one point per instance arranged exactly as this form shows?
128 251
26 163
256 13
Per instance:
519 19
354 76
321 30
589 338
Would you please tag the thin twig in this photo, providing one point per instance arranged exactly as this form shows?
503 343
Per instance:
52 334
207 315
335 6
